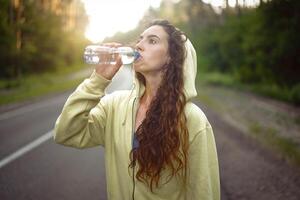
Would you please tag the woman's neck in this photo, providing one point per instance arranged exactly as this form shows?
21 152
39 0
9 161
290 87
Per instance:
151 87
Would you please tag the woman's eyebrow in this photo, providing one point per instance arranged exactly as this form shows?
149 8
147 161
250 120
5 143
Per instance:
149 36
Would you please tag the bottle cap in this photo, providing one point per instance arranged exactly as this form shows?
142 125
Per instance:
136 55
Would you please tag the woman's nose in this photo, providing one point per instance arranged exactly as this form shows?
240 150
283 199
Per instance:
139 46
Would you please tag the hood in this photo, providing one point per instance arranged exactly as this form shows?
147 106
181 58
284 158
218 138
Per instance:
189 76
190 71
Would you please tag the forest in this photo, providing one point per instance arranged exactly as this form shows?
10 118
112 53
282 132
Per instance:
40 36
249 47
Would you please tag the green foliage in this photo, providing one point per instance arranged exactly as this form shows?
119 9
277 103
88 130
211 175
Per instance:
36 86
40 43
255 48
7 39
280 28
260 46
44 43
295 94
287 147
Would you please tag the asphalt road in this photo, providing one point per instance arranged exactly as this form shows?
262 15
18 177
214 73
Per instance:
32 166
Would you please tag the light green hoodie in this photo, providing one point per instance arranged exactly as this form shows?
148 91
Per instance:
91 118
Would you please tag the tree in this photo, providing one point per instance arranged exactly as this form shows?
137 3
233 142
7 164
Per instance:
32 42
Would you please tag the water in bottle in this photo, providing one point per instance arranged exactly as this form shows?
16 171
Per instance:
97 54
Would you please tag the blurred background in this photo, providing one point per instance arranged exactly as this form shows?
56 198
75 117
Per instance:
248 85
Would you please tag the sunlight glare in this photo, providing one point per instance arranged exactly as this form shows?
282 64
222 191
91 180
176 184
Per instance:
231 3
215 3
107 17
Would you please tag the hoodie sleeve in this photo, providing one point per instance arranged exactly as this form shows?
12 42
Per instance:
82 121
203 177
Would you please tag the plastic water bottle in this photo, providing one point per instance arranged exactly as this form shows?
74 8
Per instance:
93 54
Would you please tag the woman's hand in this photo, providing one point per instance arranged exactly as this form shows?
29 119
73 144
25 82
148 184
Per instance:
109 70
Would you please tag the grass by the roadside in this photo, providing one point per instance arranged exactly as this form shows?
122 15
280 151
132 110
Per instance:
32 86
228 102
269 136
270 90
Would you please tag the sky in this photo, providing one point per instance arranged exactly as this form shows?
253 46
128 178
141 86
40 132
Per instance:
107 17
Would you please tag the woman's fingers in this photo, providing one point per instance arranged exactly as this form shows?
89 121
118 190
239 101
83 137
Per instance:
110 62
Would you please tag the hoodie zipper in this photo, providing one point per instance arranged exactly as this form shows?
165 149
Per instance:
132 138
133 121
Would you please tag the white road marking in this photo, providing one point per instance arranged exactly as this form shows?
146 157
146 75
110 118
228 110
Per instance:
31 107
124 80
26 149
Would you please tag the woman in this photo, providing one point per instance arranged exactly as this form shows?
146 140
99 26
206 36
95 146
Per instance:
158 144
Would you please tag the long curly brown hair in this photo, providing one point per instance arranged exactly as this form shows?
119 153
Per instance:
163 135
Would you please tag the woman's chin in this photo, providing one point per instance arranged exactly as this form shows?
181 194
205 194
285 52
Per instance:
137 67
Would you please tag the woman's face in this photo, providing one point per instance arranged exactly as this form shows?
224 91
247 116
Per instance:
153 47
